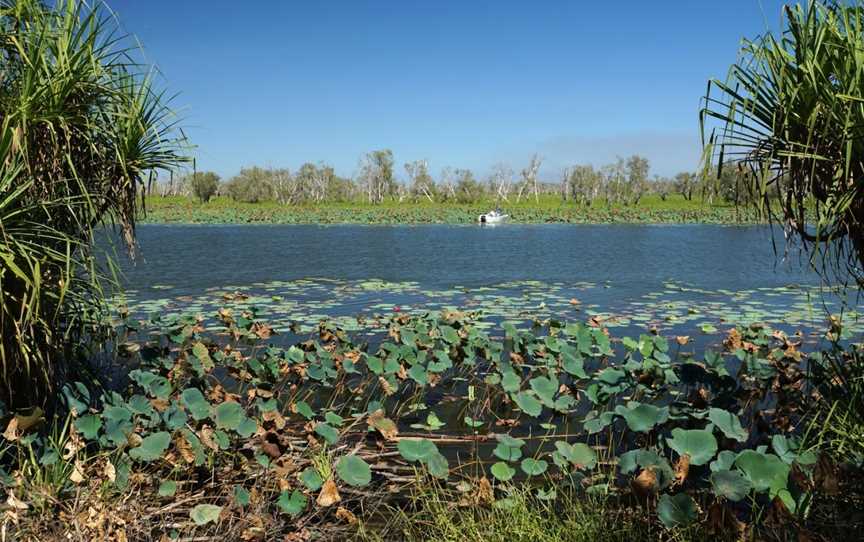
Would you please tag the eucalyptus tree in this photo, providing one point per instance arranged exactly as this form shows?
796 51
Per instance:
284 185
420 182
637 177
583 183
529 178
791 111
82 128
468 189
376 175
613 181
501 180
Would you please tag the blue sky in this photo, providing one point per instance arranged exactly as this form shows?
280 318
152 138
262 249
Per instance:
464 84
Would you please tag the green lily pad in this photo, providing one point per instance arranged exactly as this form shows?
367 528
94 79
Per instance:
765 471
194 400
152 447
534 467
677 510
241 496
699 444
354 471
311 478
327 432
292 503
89 426
641 417
528 403
417 449
167 488
502 471
728 423
732 485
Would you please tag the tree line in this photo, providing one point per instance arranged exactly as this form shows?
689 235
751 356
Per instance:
623 182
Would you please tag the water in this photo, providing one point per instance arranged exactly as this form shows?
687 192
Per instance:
678 278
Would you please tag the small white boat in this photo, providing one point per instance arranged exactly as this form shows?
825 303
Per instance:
492 217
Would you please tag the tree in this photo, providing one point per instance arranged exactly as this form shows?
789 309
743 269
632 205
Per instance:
790 112
468 190
251 185
420 183
637 177
529 178
376 174
684 184
501 180
204 185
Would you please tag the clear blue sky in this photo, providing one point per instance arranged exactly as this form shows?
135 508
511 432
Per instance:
461 83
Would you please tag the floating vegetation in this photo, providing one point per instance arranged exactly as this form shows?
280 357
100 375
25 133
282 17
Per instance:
676 309
313 429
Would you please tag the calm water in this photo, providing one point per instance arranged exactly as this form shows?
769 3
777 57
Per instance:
678 279
635 259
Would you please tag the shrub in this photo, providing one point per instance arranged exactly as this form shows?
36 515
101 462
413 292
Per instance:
205 185
81 130
251 185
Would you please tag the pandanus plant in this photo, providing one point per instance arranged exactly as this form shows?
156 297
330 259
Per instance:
791 114
81 129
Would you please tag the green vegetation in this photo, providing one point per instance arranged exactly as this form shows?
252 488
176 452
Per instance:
651 209
425 424
82 128
312 434
792 116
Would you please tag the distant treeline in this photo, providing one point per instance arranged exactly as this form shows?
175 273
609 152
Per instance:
623 182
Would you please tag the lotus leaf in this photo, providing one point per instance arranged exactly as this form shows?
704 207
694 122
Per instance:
354 471
502 471
327 432
152 447
728 423
732 485
311 478
677 510
417 449
196 403
641 417
699 444
241 496
765 471
534 467
528 403
89 426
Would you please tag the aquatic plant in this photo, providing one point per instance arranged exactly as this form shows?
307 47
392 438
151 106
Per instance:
313 426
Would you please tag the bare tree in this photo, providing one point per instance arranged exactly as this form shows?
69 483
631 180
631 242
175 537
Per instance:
502 180
446 181
529 178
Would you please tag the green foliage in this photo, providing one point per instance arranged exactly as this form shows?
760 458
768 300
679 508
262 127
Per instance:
251 185
790 112
82 130
204 184
677 510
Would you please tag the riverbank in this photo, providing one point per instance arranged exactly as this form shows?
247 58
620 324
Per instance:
550 209
433 427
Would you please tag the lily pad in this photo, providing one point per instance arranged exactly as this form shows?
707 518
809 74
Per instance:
699 444
728 423
152 447
677 510
354 471
732 485
502 471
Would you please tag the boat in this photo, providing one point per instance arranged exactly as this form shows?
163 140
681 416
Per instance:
492 217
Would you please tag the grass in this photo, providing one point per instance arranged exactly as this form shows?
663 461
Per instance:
550 208
435 513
